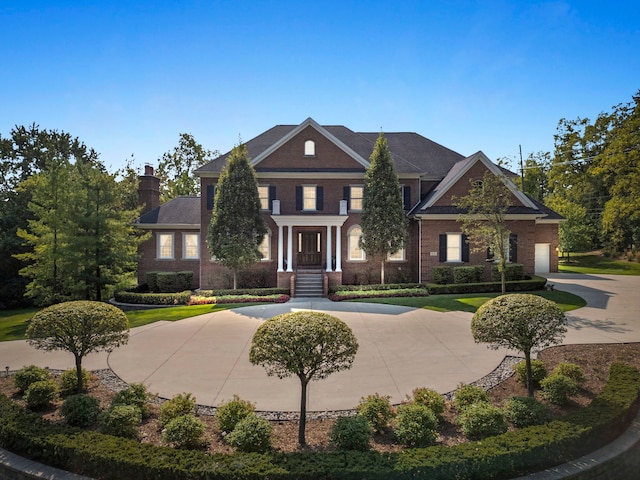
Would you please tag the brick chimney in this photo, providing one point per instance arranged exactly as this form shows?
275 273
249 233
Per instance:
148 190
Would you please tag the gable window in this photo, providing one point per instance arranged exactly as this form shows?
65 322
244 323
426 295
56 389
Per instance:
353 244
309 198
265 246
191 246
309 148
165 246
453 248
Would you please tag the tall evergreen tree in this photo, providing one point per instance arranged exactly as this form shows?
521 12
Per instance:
237 227
383 221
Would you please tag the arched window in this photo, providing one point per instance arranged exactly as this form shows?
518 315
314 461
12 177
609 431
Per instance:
265 246
309 148
353 244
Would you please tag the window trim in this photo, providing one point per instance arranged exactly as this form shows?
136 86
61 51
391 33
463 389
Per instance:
350 235
184 246
159 245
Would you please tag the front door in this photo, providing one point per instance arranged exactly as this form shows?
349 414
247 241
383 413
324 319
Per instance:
309 254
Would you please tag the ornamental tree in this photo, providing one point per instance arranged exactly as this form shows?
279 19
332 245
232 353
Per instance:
520 322
383 221
237 227
80 328
309 345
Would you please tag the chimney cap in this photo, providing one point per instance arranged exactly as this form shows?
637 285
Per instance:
148 170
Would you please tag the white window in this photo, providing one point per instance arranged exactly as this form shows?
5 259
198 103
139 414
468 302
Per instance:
397 256
353 243
191 246
454 247
165 246
263 193
309 197
355 197
309 148
265 247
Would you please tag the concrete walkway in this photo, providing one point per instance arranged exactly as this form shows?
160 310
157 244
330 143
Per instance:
400 349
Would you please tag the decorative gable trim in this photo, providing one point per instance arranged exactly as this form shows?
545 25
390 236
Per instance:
463 167
310 122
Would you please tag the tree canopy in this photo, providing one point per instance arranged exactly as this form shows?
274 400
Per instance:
80 328
383 220
520 322
237 227
309 345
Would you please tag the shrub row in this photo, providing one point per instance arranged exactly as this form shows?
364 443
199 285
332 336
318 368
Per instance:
447 274
181 298
510 454
405 292
243 291
277 298
168 282
528 285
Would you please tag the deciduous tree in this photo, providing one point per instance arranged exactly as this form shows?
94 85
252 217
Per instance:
80 328
521 322
383 221
309 345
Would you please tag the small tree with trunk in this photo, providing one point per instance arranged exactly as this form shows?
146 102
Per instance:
309 345
80 328
237 227
521 322
484 218
384 222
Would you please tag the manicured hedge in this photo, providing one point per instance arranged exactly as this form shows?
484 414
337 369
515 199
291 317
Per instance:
181 298
529 285
243 291
364 288
503 456
405 292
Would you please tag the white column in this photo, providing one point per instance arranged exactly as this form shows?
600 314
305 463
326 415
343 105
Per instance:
329 248
280 251
290 248
338 248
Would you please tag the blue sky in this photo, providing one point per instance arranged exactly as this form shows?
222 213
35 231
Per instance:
127 77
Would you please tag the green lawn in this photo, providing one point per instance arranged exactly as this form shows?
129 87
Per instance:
471 301
598 264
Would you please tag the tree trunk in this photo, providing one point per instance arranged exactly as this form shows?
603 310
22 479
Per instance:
503 281
303 412
527 361
79 373
235 279
382 270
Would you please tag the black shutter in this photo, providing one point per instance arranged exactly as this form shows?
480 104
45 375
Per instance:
406 197
513 248
443 248
211 193
489 255
346 195
299 197
319 199
272 196
465 249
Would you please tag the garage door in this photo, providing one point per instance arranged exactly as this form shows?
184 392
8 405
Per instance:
542 257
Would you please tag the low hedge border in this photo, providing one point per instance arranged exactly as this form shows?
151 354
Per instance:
534 282
277 295
181 298
405 292
503 456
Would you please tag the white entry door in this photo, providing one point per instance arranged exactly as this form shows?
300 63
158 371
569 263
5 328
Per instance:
542 257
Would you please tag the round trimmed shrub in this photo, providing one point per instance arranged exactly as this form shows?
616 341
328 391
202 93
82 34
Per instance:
467 395
181 404
351 433
429 398
538 372
184 431
24 377
377 410
416 425
121 421
69 381
526 411
40 394
80 410
557 388
481 420
135 395
252 434
229 414
571 370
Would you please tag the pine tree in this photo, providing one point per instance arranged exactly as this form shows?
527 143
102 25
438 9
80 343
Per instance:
383 221
237 227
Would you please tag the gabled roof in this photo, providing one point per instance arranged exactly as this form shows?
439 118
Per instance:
412 154
178 212
457 172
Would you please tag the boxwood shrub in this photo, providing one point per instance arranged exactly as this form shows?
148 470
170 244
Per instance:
442 274
512 272
504 456
528 285
468 274
181 298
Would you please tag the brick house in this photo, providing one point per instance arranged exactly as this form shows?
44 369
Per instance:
311 181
